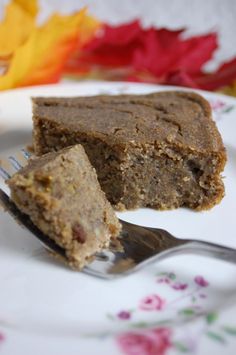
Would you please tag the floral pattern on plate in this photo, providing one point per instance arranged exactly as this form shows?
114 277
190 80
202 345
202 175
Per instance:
155 337
220 107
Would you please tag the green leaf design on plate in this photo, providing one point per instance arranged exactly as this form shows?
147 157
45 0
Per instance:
229 330
216 336
151 324
228 109
187 312
180 347
172 275
211 317
139 325
110 316
163 273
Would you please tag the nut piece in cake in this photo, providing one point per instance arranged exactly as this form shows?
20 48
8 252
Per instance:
160 150
60 193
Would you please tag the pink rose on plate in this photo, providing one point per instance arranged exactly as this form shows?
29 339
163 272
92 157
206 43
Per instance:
124 315
200 281
152 303
216 105
2 338
163 280
149 342
179 286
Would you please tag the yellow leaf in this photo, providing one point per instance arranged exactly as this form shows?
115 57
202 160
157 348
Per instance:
31 6
16 26
41 58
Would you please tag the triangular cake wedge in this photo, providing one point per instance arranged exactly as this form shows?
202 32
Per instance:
61 195
161 150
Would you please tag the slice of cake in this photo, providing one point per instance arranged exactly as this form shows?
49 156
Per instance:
61 194
161 150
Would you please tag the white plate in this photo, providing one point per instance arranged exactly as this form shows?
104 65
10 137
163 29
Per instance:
186 303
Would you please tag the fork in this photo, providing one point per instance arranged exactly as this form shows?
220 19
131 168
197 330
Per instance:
135 248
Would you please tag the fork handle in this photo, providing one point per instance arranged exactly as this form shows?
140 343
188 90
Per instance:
209 249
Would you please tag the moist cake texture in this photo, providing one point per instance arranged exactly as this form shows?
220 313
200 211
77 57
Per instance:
160 150
61 195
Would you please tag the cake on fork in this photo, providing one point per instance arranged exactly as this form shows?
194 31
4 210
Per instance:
60 193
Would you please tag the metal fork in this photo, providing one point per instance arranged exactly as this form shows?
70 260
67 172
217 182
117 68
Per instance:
135 248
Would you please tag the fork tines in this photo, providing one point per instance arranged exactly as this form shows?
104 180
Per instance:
13 164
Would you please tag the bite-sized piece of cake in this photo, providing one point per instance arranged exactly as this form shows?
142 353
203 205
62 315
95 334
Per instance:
61 194
161 150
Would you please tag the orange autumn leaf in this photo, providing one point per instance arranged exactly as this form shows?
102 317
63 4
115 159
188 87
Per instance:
42 56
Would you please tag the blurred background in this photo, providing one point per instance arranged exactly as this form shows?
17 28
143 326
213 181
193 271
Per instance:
198 16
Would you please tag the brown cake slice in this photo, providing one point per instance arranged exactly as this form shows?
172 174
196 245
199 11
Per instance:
161 150
61 194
